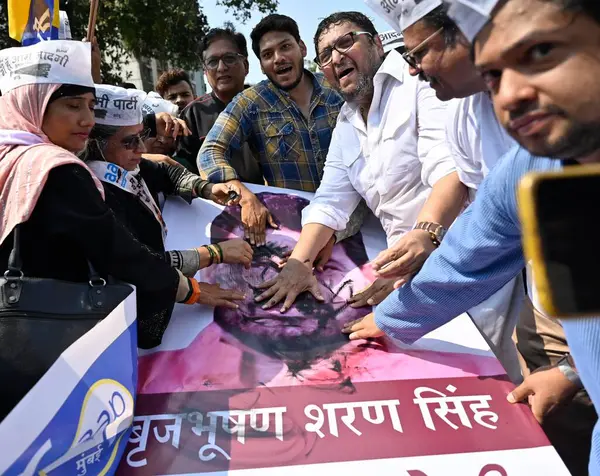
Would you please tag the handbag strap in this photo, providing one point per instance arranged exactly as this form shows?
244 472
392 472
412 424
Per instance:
15 264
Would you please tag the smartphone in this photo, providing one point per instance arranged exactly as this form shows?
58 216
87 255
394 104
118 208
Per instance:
560 216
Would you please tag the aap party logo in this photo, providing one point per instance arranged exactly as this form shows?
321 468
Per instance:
106 414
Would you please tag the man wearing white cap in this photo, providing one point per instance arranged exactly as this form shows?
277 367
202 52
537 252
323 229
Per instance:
431 37
388 147
540 61
438 52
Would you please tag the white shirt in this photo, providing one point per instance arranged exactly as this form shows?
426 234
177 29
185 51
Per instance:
476 138
392 161
477 141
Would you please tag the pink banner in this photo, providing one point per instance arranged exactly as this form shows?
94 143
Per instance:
264 427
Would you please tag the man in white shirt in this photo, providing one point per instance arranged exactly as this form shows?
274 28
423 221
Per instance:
388 147
439 54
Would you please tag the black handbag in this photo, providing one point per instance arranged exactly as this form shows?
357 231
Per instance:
40 318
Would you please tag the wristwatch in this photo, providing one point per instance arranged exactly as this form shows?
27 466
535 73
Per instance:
435 230
567 368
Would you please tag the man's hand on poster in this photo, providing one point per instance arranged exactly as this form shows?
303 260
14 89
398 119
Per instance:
219 193
320 261
544 390
294 279
364 328
169 126
237 252
373 294
214 296
405 258
255 218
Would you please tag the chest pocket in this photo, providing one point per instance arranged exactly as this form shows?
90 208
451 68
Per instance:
282 142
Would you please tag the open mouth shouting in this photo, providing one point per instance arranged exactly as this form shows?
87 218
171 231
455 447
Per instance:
283 70
345 74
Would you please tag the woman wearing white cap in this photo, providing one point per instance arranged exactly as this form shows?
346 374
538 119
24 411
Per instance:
46 116
132 186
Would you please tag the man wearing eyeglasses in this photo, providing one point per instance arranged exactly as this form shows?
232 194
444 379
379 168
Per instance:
225 59
389 148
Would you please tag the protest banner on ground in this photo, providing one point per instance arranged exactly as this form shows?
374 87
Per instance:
76 420
252 391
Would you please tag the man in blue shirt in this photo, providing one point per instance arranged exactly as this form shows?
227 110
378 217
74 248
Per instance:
540 61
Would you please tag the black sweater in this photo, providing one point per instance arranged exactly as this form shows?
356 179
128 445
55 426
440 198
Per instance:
70 223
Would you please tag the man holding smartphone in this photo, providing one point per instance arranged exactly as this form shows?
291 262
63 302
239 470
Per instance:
540 61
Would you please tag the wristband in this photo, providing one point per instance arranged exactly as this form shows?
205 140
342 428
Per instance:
211 253
194 295
220 251
215 253
189 293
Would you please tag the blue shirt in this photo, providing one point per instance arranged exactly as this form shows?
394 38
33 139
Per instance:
480 254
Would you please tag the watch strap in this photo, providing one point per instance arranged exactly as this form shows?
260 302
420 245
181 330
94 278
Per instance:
567 368
435 230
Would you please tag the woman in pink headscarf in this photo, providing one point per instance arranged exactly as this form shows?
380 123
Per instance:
59 204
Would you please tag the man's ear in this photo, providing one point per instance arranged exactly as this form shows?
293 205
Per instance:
303 48
379 45
246 67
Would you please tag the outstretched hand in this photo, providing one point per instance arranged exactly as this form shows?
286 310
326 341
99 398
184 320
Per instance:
294 279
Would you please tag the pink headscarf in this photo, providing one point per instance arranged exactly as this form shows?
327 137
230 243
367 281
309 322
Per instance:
26 153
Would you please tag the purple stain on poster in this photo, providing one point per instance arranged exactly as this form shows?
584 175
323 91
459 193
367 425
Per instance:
252 347
309 328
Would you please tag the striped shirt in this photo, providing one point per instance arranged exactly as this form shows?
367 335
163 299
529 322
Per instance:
291 149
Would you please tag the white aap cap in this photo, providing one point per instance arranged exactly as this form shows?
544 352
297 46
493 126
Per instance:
391 40
155 104
117 106
49 62
471 15
400 14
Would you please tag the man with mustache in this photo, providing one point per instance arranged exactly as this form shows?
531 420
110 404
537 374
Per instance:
224 55
286 120
388 148
540 60
439 53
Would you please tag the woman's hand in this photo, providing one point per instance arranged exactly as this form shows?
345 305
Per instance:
214 296
237 252
219 193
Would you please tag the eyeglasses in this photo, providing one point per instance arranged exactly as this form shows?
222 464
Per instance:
229 59
341 45
409 56
135 141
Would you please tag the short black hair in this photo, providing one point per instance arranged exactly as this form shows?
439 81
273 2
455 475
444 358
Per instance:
438 18
273 22
170 78
229 34
359 19
127 85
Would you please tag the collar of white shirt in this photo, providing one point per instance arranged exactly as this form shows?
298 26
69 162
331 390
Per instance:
394 66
